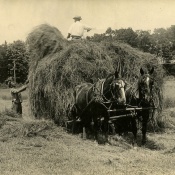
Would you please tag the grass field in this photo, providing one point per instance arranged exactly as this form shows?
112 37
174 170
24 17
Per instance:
31 147
169 89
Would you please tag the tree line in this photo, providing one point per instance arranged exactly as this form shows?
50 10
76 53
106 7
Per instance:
161 42
13 61
14 57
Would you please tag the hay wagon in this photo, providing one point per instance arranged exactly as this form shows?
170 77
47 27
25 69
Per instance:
113 113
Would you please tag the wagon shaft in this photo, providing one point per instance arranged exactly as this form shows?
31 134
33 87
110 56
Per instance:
132 109
120 116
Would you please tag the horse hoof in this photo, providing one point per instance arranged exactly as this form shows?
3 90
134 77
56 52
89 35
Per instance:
96 143
134 144
143 143
107 144
135 147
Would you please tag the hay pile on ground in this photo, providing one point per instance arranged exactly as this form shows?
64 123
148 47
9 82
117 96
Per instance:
56 73
14 126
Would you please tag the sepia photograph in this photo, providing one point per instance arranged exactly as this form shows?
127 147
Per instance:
87 87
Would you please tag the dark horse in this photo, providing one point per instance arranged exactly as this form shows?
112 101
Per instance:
144 100
145 87
93 100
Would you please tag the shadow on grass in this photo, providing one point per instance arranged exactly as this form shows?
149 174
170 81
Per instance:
170 151
126 141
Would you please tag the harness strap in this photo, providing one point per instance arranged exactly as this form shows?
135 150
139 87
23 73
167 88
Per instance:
87 101
102 86
98 87
78 91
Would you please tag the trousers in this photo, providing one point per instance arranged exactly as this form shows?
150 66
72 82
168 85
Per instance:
17 107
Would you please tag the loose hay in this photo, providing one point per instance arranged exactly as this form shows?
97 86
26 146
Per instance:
11 127
54 79
64 65
42 41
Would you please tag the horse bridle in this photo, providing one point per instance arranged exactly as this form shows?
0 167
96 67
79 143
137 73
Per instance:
142 89
110 90
112 87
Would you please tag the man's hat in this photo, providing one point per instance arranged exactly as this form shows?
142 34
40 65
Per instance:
77 17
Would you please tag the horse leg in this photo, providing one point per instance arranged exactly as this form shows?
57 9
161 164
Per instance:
111 128
90 129
100 129
94 129
144 126
73 126
84 133
106 129
134 131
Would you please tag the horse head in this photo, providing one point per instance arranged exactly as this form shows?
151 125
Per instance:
145 85
114 88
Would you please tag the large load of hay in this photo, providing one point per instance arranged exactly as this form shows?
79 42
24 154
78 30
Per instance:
57 66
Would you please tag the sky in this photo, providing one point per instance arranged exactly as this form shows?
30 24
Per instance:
19 17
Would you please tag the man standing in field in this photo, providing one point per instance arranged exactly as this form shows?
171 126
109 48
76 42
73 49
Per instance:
16 97
77 29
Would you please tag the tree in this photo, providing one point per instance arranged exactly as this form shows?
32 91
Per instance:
161 42
3 63
17 61
97 37
127 36
144 40
164 42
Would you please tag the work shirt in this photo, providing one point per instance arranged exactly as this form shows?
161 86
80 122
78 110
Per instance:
77 29
16 94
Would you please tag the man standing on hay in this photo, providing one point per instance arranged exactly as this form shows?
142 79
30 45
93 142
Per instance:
16 97
77 29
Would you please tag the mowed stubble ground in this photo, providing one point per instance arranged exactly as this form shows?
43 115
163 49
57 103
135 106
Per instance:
54 151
